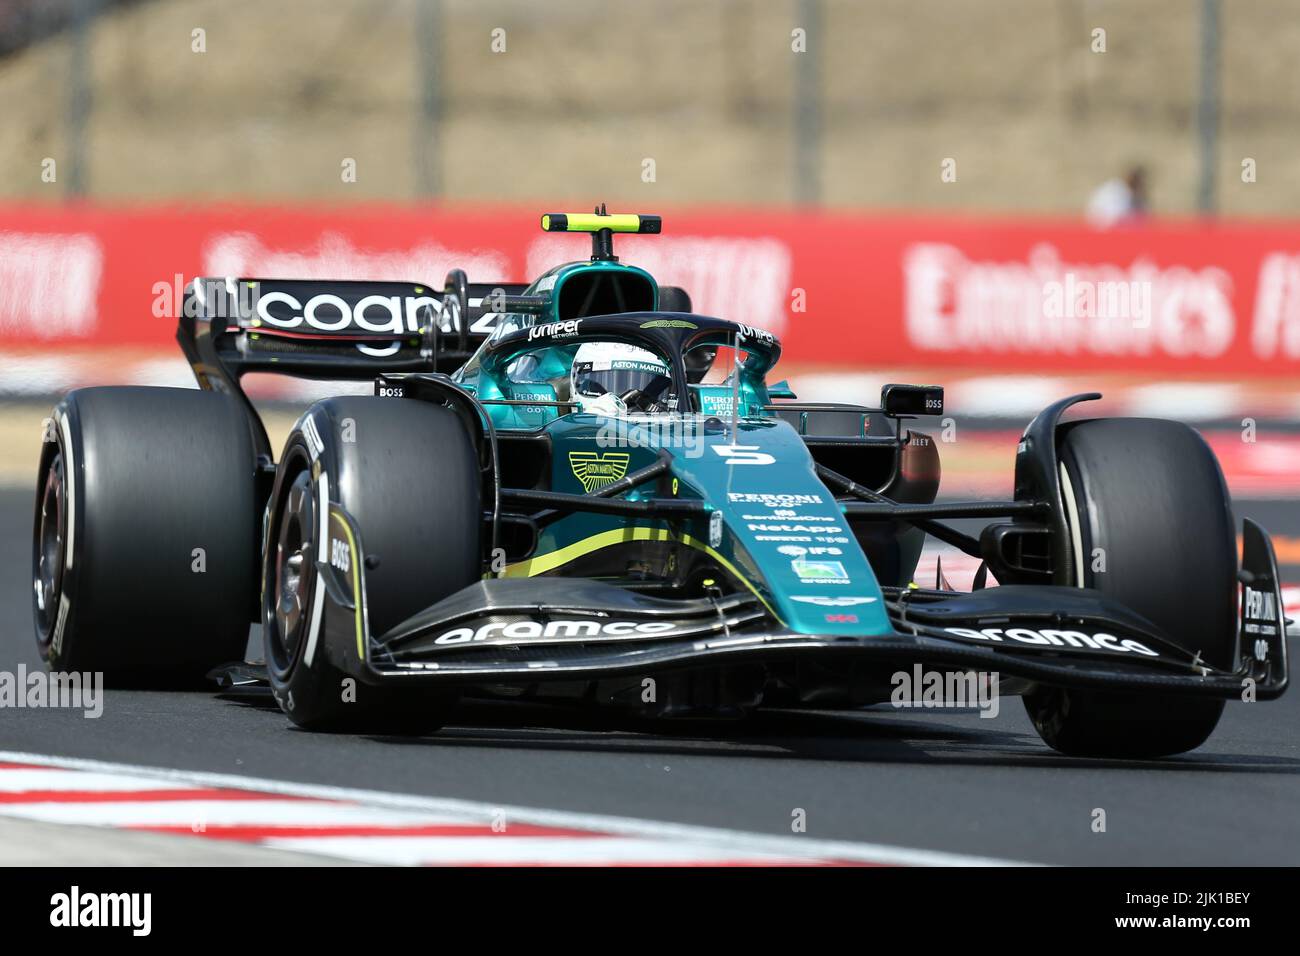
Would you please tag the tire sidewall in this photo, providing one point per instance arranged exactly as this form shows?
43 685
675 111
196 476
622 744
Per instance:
1095 723
302 689
58 649
312 693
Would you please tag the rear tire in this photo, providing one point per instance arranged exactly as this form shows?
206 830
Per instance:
410 478
1147 502
144 558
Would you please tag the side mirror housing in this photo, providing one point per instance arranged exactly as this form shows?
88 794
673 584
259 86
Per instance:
912 399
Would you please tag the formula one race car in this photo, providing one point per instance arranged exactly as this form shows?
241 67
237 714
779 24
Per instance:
579 488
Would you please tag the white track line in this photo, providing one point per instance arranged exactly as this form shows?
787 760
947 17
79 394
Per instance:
185 813
506 850
722 844
17 781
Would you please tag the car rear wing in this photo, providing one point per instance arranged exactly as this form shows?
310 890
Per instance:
327 329
344 329
330 329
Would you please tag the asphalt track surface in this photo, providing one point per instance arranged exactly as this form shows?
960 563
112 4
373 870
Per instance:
936 780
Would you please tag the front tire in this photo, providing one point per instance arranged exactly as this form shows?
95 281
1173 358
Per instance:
1151 526
407 472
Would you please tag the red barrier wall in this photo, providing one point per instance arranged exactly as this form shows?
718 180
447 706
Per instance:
841 290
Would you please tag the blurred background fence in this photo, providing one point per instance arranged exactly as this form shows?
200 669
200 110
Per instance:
527 101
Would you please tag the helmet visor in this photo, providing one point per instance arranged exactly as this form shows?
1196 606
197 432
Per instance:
620 376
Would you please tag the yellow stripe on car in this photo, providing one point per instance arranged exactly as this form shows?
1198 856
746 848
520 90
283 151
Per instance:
606 539
356 581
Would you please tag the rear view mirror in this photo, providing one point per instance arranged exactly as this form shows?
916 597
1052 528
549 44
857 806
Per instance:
912 399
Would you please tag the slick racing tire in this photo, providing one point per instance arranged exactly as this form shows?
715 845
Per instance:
407 472
1149 515
144 556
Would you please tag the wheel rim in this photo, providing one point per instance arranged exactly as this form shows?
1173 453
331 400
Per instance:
295 573
51 531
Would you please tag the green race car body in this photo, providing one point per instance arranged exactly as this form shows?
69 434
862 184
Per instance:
703 530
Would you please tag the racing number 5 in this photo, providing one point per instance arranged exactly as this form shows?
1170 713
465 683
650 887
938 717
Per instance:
743 455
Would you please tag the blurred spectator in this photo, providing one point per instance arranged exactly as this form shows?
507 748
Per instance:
1118 201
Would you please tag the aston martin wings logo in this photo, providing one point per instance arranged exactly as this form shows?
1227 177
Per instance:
596 470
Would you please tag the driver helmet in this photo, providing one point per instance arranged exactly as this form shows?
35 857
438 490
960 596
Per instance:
606 375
